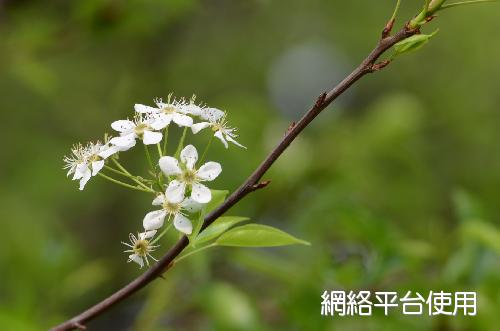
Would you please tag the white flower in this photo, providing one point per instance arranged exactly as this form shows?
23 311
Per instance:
187 176
141 248
217 121
211 114
191 108
154 220
140 128
165 113
86 161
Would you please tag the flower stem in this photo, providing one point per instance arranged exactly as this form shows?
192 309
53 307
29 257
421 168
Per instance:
461 3
148 156
159 150
126 173
116 171
163 232
125 184
195 251
206 149
119 166
165 140
395 11
181 143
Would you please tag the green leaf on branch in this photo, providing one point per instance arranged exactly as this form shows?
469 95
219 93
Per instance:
256 235
218 197
412 43
221 225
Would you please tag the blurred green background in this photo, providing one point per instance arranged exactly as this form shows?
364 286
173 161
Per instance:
396 186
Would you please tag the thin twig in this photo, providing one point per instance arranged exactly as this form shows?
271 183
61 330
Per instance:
462 3
127 173
250 185
116 181
386 32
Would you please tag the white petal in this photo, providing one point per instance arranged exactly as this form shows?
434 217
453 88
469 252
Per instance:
190 109
183 224
191 206
147 234
108 150
124 142
219 135
80 170
189 156
137 259
200 193
169 166
182 120
154 220
159 200
123 125
97 166
151 137
143 109
85 178
199 126
161 121
229 138
209 171
175 191
212 114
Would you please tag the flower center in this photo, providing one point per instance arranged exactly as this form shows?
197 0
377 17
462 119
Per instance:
169 109
188 176
141 247
171 208
94 157
140 128
216 127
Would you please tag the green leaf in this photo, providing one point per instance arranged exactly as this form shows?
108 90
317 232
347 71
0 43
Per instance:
412 43
218 227
256 235
485 233
218 197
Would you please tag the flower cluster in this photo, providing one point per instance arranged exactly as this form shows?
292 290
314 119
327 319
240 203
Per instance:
178 180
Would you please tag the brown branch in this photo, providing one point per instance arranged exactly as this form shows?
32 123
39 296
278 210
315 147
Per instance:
251 184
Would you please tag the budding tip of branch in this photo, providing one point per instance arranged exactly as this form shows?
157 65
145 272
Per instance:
388 28
260 185
290 127
380 65
410 30
320 100
430 18
265 183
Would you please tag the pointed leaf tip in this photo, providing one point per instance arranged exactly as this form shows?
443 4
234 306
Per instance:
256 235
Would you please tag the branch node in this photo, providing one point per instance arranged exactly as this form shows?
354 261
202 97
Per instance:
411 31
290 127
388 28
380 65
320 100
259 185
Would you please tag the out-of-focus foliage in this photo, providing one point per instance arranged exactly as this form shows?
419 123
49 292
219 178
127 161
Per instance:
396 186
